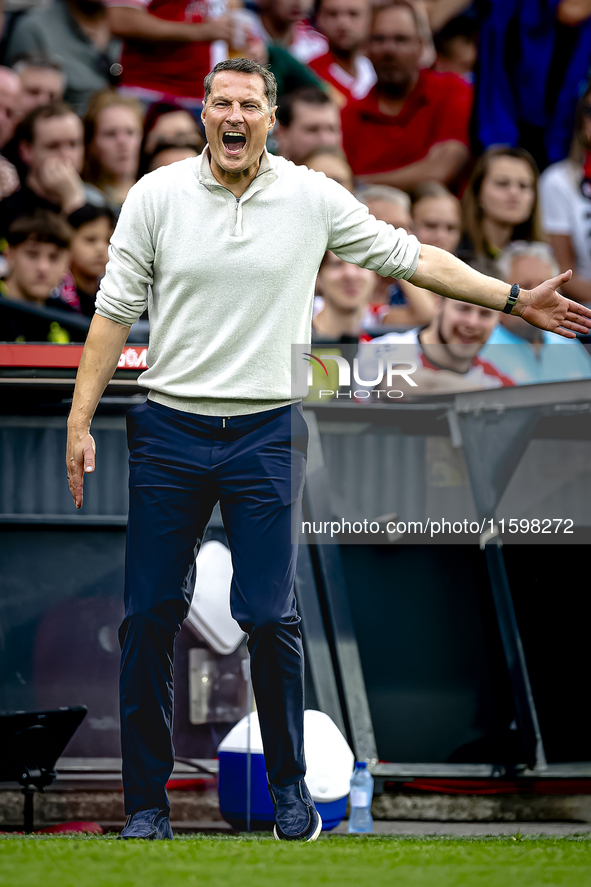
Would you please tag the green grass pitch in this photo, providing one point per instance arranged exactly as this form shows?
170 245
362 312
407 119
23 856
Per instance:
254 861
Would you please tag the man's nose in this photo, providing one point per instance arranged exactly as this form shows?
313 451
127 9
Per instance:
235 113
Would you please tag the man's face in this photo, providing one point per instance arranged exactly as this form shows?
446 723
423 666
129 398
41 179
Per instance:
55 137
90 244
390 212
10 94
237 120
312 126
438 222
40 86
345 23
395 47
464 328
37 268
348 287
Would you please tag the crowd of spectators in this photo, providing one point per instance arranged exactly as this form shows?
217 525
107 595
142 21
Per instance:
465 123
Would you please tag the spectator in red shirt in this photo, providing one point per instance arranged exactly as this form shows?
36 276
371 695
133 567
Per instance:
345 24
306 119
446 352
413 125
166 46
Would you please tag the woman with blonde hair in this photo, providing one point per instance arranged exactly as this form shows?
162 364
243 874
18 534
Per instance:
500 204
565 194
113 128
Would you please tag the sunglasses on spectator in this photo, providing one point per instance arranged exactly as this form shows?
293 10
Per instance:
587 111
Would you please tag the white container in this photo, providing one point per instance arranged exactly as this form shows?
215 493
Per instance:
329 761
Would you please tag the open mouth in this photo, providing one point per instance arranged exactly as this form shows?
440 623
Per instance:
234 143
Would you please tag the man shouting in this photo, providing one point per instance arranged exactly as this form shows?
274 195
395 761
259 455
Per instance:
224 250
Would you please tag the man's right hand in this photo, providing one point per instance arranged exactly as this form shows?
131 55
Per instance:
80 451
60 177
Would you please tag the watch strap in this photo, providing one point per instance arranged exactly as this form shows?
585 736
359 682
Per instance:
512 298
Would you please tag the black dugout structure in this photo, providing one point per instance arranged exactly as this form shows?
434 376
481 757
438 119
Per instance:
439 654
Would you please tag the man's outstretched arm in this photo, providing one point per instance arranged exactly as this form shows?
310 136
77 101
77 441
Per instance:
441 272
99 360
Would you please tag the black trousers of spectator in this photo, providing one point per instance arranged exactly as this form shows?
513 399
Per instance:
181 464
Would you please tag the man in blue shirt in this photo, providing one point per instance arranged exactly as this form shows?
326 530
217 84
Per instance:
523 352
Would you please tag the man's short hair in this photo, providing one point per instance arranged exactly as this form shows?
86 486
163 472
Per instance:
41 227
244 66
385 193
35 60
308 95
527 249
395 4
26 128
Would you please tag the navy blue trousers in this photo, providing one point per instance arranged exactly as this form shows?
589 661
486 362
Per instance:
181 465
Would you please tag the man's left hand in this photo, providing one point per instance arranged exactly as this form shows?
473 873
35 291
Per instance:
547 309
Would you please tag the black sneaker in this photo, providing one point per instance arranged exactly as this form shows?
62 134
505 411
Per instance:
296 817
152 825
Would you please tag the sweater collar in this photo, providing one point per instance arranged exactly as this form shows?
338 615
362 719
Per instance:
265 176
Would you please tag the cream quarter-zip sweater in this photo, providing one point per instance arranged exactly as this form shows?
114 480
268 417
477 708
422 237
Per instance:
231 281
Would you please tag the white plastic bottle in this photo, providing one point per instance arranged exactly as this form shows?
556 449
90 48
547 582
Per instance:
360 819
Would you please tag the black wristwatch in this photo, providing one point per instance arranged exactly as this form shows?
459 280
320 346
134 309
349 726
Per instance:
513 296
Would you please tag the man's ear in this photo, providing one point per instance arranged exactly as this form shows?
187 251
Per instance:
272 119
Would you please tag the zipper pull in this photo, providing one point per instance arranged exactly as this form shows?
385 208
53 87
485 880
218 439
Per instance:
223 423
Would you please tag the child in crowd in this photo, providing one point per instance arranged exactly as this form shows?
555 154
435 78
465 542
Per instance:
93 227
30 308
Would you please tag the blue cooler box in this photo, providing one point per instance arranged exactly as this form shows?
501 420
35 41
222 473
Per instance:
328 757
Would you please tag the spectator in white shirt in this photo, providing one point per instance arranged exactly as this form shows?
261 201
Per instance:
565 196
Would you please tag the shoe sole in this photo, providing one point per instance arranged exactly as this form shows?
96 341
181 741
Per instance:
312 837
